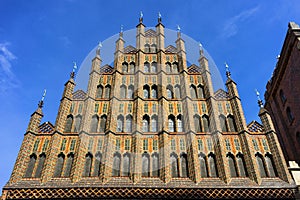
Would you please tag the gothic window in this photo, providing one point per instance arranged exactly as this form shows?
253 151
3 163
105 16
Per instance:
97 164
265 145
184 165
118 144
120 123
179 108
45 145
36 144
177 92
30 166
171 123
282 96
212 165
179 124
145 144
99 92
206 123
77 123
175 67
231 123
116 165
231 164
127 144
261 165
270 165
155 145
223 123
128 127
169 92
130 92
153 48
200 89
146 67
200 145
132 67
94 124
107 91
123 91
203 168
126 164
59 165
168 67
69 123
154 123
182 145
155 165
145 165
174 165
154 91
146 92
227 144
40 166
147 48
88 165
124 67
69 163
289 114
146 123
193 92
237 144
209 144
241 165
153 67
63 144
197 123
103 123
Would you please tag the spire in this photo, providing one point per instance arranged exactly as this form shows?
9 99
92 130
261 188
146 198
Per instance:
73 71
259 101
159 17
227 70
141 17
178 31
41 102
201 50
98 49
121 32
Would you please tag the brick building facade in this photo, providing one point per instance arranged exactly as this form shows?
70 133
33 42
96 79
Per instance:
150 127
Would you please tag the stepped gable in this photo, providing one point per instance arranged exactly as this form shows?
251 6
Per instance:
79 95
150 33
221 94
254 126
107 69
194 69
130 49
46 127
171 49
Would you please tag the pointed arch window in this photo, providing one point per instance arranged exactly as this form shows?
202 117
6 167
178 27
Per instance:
155 165
177 92
123 91
145 165
88 165
40 166
289 114
179 123
168 67
193 92
94 124
200 89
282 96
206 123
270 165
146 67
153 67
77 123
30 166
184 165
171 123
174 165
120 123
232 165
69 123
170 92
103 123
132 67
175 67
241 165
99 92
124 67
130 92
59 165
261 165
154 92
107 91
146 91
116 164
146 123
128 127
203 168
231 123
97 164
212 165
197 123
69 163
147 48
153 48
126 164
154 123
223 123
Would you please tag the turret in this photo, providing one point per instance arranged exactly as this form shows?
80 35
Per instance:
181 50
119 49
140 34
160 34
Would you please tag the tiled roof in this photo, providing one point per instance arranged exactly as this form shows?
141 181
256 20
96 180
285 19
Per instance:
106 69
46 127
171 49
79 94
254 126
130 49
221 94
194 69
150 33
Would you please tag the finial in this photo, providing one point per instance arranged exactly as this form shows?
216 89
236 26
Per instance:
159 17
73 71
41 102
178 28
227 70
277 57
121 29
201 49
98 48
260 103
141 17
44 94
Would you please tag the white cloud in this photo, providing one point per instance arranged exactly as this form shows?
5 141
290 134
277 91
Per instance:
8 79
231 25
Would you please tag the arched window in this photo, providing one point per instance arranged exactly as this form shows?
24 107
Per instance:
59 165
174 165
231 164
155 165
184 165
99 92
40 166
223 123
175 67
126 164
200 92
107 91
146 92
197 123
168 67
103 123
69 163
282 96
146 67
120 123
153 67
130 92
179 124
69 123
261 165
170 92
88 164
241 165
154 123
231 123
145 165
116 165
177 92
213 172
203 168
153 48
128 127
132 67
193 92
123 91
146 123
154 91
147 48
77 123
94 124
206 123
270 165
30 166
124 67
97 164
171 123
289 114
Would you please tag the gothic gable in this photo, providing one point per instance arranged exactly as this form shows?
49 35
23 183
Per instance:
254 126
171 49
79 95
130 49
46 127
221 94
150 33
194 69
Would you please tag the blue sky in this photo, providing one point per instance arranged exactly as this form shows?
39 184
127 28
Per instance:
40 40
